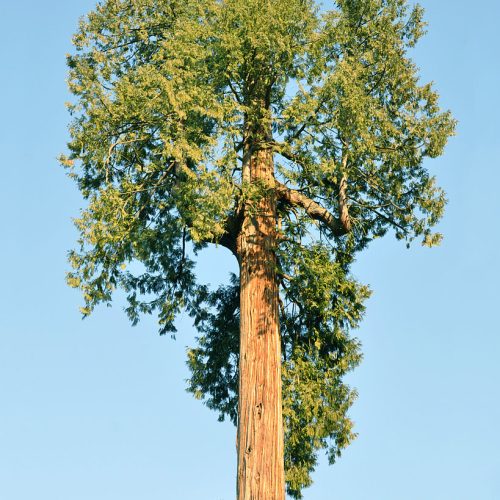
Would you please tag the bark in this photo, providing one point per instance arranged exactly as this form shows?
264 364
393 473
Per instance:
260 422
345 219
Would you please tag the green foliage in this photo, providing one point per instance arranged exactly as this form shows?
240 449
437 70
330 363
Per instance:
164 91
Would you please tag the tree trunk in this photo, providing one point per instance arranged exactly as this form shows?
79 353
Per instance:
260 422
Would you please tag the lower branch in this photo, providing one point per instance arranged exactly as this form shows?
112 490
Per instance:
229 237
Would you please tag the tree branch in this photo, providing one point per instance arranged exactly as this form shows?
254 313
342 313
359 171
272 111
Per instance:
345 219
229 237
307 121
314 210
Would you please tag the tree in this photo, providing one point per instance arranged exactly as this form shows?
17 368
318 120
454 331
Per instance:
290 135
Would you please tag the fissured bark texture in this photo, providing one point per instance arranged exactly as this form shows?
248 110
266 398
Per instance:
260 422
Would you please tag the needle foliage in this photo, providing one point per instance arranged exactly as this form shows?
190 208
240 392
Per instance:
163 91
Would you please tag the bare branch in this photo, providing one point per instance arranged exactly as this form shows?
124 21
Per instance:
295 198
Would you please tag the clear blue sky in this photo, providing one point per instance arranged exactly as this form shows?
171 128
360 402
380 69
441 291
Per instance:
96 410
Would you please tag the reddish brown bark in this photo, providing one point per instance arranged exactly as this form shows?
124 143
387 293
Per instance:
260 422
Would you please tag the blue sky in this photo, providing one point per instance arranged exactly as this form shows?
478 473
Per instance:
96 409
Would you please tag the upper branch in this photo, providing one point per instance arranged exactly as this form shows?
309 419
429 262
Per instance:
313 209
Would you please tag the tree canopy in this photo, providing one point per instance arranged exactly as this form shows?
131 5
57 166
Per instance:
164 91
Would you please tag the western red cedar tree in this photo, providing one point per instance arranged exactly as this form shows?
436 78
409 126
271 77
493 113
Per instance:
288 134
